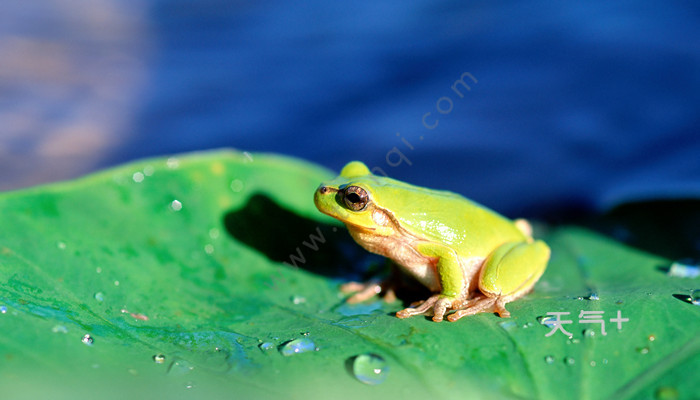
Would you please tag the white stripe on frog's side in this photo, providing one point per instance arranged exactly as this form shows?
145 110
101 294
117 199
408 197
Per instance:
399 246
471 267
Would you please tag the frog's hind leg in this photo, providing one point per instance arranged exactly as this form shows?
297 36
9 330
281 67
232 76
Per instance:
508 273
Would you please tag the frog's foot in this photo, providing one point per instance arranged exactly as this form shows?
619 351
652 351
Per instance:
437 305
481 304
365 291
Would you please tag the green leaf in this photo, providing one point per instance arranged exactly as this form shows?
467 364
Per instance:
191 275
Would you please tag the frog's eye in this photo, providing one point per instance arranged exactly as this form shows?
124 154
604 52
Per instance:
355 198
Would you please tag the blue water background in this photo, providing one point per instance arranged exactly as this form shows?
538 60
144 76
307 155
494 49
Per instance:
576 105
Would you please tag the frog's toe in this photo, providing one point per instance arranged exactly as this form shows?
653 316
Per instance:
422 308
500 308
365 291
479 305
441 306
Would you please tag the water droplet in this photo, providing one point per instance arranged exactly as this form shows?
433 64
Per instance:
569 361
695 297
549 359
593 296
236 185
61 245
266 346
508 325
176 205
189 385
573 341
209 248
3 309
605 361
59 329
643 350
148 170
548 321
98 270
297 346
588 332
214 233
684 269
159 358
370 369
592 364
652 338
179 367
172 163
528 325
99 296
666 393
137 177
88 340
298 299
116 283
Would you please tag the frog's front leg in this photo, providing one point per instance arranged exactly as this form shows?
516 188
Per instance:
364 291
453 284
507 274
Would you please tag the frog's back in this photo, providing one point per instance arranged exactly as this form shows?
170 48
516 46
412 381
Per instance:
445 217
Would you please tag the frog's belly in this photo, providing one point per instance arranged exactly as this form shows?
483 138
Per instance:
402 252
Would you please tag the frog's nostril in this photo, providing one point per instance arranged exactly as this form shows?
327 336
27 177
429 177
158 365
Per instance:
323 189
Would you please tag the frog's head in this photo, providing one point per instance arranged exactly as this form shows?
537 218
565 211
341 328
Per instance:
351 198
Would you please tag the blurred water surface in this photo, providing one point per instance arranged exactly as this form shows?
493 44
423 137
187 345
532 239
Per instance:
569 105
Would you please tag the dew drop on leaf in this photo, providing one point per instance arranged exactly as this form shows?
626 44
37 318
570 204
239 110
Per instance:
684 269
297 346
370 369
236 185
695 297
159 358
266 346
549 359
508 325
88 340
548 321
569 361
180 367
173 163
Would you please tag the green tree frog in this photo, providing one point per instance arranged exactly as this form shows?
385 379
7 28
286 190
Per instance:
472 259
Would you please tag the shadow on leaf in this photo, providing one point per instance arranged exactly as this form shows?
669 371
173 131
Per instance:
298 242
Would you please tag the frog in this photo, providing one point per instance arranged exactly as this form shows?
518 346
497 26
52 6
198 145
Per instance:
471 258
